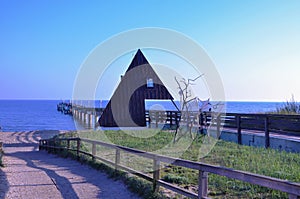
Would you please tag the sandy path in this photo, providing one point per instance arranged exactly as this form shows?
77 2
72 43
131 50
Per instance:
29 173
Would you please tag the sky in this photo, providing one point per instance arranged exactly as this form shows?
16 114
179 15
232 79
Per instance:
254 44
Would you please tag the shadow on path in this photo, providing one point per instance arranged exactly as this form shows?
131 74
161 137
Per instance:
49 165
3 184
30 173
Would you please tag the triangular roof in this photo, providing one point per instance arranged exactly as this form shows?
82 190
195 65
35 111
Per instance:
138 59
127 104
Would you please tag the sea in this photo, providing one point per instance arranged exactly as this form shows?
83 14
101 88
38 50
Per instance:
30 115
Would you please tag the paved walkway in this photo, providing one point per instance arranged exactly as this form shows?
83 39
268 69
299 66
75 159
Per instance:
29 173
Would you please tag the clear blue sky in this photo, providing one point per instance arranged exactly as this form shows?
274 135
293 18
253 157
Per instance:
255 44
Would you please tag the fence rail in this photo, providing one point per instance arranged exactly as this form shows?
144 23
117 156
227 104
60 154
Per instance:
274 123
293 189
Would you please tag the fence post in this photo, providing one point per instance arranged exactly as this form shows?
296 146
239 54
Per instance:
218 126
78 148
40 145
93 151
156 174
170 118
202 184
156 119
117 160
267 133
68 144
239 129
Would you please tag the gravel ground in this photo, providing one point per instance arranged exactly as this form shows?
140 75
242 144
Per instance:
29 173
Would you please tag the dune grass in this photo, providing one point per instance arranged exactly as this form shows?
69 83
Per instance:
269 162
289 107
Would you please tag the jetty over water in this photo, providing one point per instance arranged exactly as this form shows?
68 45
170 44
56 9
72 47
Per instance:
263 130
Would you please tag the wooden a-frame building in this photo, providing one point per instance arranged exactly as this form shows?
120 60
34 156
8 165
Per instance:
126 107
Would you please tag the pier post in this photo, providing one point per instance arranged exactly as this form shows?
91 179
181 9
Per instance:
91 119
267 133
239 129
83 116
86 118
96 119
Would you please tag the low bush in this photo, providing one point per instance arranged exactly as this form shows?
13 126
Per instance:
289 107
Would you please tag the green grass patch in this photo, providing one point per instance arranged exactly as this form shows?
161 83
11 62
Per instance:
269 162
290 107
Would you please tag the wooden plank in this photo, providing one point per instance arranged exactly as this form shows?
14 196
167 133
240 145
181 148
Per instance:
267 133
286 126
265 181
105 160
78 148
283 132
94 150
177 189
137 173
130 150
239 129
156 175
117 158
202 184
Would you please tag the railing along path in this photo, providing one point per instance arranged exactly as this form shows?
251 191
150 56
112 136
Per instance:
293 189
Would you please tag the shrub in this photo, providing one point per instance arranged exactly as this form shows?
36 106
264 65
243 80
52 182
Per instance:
290 107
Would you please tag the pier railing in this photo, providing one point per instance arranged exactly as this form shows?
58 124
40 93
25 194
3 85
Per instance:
266 123
293 189
275 123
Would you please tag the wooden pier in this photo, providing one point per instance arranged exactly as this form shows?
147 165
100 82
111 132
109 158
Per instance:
87 115
264 130
236 126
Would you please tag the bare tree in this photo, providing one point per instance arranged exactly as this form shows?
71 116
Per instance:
186 98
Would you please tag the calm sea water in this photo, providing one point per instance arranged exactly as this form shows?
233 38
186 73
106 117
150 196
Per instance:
28 115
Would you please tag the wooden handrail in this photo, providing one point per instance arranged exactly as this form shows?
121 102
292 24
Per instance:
293 189
265 123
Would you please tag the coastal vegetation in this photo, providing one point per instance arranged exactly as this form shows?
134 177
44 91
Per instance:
269 162
289 107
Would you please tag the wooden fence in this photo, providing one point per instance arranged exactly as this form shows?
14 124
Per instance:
293 189
274 123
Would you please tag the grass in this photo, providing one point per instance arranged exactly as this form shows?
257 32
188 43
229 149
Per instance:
290 107
269 162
